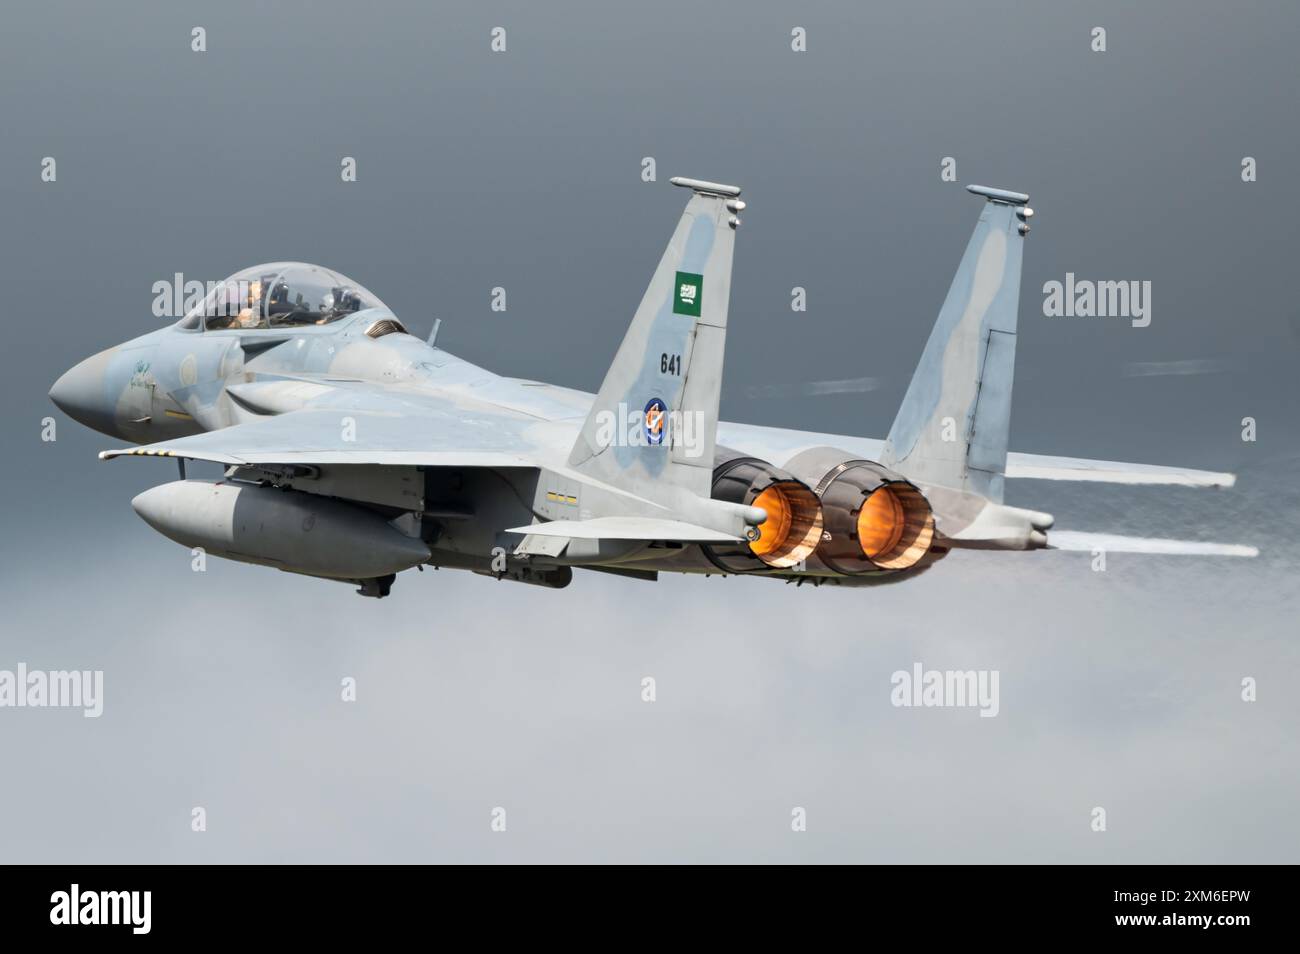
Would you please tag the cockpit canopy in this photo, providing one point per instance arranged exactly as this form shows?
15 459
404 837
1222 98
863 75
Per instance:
280 295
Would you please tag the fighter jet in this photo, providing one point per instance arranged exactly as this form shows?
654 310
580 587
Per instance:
353 450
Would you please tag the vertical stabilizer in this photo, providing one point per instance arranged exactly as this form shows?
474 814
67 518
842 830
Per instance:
951 429
654 421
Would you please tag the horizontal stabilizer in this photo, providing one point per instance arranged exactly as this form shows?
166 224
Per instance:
627 528
1114 543
1040 467
540 545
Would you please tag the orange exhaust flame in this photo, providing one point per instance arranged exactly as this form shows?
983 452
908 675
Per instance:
895 526
793 527
880 523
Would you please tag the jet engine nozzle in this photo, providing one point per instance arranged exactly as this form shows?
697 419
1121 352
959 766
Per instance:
793 527
875 519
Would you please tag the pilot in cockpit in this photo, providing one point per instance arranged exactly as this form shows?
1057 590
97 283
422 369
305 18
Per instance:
284 296
250 315
277 303
347 300
236 305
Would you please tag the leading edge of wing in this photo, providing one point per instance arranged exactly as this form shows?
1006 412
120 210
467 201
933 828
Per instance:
316 437
360 456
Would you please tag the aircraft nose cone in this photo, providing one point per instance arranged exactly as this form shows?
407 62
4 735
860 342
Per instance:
79 393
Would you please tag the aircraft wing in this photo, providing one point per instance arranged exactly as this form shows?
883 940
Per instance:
780 444
333 436
434 438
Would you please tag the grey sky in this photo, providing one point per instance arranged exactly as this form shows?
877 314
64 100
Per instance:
1118 689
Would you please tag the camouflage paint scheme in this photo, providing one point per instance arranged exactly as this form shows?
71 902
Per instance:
385 436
